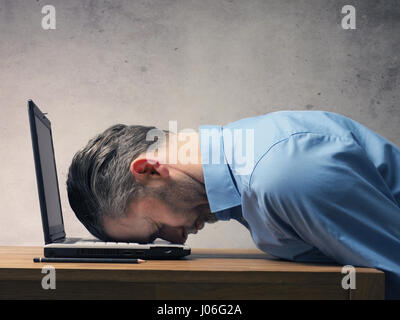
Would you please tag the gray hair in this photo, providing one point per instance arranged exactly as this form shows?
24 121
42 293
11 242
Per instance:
99 181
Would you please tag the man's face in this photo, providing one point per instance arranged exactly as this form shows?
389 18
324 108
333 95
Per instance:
170 211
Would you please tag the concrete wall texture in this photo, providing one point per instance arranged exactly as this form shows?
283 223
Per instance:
197 62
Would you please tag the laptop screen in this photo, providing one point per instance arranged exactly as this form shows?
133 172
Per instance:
47 176
50 182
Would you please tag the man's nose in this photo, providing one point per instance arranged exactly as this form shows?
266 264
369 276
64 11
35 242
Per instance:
174 234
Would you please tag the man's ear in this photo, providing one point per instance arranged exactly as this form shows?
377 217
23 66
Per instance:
144 169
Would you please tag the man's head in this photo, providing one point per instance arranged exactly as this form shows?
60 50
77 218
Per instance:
120 194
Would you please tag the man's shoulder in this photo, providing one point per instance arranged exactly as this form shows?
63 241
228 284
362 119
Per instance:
271 130
302 162
293 118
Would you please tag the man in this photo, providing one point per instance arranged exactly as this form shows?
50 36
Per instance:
312 186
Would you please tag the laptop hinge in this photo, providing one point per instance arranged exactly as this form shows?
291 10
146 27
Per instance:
62 239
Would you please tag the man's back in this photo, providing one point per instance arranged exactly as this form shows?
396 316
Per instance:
275 127
322 187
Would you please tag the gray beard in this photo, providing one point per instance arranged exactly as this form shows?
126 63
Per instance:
187 196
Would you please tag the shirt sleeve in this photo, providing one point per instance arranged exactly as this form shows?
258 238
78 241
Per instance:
325 192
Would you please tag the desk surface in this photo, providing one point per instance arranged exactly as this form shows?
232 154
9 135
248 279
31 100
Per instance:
205 274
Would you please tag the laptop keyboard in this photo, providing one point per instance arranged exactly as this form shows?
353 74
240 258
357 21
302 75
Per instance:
101 243
93 243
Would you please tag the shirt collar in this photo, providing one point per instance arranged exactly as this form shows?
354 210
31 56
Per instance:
221 191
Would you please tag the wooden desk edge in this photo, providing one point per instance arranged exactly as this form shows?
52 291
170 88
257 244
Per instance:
370 282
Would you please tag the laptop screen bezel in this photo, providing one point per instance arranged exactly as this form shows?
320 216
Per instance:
54 233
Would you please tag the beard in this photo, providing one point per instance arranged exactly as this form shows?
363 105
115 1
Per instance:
186 197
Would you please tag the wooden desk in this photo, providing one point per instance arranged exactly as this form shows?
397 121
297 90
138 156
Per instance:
206 274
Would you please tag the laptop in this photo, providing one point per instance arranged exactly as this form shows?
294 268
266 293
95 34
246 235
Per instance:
57 245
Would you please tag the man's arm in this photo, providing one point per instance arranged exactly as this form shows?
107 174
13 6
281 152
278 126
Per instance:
327 193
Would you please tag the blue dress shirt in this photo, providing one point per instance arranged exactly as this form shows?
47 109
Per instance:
317 187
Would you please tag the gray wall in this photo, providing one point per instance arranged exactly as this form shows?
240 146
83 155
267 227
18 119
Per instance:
197 62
